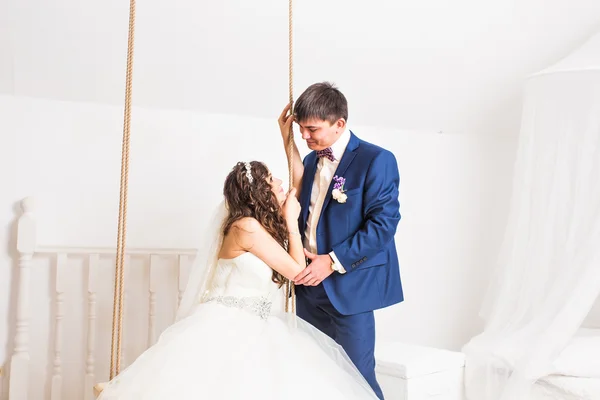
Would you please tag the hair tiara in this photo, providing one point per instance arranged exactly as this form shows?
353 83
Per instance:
249 172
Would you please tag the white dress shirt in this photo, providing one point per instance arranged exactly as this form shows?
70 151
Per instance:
323 176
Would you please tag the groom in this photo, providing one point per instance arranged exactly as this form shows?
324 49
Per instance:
348 190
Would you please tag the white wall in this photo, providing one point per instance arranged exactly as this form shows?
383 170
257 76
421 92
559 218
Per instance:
433 65
454 191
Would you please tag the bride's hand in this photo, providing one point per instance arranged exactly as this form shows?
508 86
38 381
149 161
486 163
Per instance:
291 208
285 122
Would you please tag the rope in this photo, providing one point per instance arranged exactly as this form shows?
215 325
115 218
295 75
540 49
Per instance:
290 298
117 329
290 147
291 50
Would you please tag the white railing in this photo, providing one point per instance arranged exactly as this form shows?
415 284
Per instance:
166 272
19 362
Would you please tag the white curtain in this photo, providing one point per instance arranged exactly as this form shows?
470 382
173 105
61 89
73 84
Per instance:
548 274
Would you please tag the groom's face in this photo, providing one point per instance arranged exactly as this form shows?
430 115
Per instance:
321 134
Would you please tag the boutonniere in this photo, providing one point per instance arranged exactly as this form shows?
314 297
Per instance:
338 189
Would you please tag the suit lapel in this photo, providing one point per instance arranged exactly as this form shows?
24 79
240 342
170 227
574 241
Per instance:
307 182
345 162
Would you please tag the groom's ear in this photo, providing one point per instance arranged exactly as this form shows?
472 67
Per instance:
340 123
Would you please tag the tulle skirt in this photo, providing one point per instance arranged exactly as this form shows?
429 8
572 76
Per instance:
220 352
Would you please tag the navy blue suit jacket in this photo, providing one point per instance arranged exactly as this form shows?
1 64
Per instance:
361 230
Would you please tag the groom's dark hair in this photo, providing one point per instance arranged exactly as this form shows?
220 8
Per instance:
321 101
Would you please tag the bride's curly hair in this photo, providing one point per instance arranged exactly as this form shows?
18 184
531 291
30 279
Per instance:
256 200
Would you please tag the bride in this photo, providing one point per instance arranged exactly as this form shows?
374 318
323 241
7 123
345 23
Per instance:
227 342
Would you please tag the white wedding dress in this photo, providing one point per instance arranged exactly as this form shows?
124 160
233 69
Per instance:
234 347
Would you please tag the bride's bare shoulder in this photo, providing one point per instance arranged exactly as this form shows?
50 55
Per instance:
247 226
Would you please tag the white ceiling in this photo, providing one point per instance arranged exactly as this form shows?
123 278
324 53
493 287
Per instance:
456 66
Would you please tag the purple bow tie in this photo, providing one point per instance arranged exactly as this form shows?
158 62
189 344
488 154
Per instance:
328 153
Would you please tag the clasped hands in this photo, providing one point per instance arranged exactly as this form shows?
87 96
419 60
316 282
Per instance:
316 271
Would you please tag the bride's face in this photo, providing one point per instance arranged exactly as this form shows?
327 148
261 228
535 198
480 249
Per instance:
277 189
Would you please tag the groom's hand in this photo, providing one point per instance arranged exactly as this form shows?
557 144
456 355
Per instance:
318 269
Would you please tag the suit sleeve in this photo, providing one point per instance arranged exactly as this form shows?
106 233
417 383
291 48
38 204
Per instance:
382 215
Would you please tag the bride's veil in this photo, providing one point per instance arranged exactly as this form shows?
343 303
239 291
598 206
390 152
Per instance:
204 266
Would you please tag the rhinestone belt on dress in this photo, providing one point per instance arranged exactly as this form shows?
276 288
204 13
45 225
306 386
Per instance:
260 306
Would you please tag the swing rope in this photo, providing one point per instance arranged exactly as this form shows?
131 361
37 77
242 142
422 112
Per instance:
117 329
119 287
290 298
